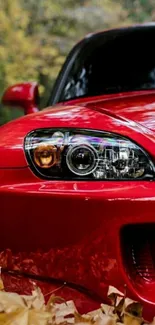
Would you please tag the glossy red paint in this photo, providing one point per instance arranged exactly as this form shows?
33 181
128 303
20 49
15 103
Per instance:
88 115
24 95
69 231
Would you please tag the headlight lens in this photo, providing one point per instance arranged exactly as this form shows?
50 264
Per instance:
85 154
82 160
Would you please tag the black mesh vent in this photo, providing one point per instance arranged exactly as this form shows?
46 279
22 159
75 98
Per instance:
138 250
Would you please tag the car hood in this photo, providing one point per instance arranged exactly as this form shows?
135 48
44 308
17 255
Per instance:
139 108
130 115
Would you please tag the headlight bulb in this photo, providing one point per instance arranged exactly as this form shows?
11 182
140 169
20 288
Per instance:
45 156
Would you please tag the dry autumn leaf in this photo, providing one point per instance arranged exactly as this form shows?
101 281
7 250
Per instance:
113 294
129 319
132 307
31 310
64 312
106 320
107 310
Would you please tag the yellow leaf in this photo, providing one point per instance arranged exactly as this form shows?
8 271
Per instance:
119 304
132 320
10 302
113 294
106 320
63 312
132 307
107 310
37 317
83 318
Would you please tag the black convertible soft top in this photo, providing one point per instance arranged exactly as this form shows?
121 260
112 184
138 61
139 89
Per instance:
115 60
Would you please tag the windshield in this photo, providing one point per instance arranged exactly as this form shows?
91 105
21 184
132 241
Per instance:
124 62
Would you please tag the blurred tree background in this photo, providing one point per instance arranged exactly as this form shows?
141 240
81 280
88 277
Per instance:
36 36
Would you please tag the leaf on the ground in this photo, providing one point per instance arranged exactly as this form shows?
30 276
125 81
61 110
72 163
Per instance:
119 304
53 300
64 312
25 316
81 319
129 319
36 300
113 293
106 320
107 310
18 309
132 307
37 317
95 314
10 302
17 318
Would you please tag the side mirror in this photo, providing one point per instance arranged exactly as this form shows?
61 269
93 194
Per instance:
25 95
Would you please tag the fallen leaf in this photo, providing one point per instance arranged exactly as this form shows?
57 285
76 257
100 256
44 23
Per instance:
113 293
106 320
129 319
64 312
107 310
132 307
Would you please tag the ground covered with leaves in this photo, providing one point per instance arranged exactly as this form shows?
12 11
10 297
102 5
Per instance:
31 309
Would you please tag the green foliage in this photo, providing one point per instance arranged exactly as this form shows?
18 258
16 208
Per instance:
36 35
140 10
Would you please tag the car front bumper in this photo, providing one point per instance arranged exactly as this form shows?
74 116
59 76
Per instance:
89 234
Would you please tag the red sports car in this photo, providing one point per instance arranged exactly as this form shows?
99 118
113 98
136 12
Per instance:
77 179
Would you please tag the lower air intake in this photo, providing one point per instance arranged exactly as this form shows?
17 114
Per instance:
138 251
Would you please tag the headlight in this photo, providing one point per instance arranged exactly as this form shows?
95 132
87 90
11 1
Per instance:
84 154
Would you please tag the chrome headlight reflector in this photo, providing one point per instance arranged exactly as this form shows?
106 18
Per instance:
82 159
85 154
